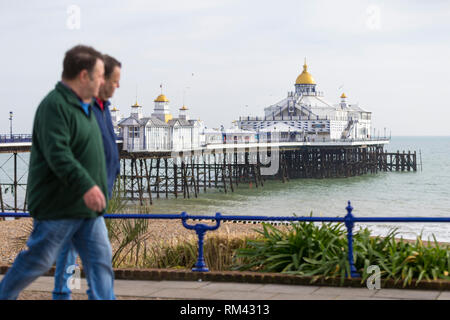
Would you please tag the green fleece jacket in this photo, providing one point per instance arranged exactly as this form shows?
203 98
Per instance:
67 158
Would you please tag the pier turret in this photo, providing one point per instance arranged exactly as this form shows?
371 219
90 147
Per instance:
136 111
305 83
162 110
183 114
343 101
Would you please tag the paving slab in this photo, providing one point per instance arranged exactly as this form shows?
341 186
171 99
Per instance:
135 290
241 295
177 293
300 296
354 297
444 295
288 289
362 292
224 286
407 294
183 284
137 283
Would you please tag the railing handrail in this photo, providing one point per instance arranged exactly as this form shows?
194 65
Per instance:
6 138
249 218
201 229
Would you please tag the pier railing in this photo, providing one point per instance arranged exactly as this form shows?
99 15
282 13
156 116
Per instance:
8 138
349 220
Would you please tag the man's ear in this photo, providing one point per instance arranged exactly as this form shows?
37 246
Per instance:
84 75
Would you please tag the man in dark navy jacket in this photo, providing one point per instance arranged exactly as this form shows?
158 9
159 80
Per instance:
103 115
65 263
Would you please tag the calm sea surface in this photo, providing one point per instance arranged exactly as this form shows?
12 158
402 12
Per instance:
423 193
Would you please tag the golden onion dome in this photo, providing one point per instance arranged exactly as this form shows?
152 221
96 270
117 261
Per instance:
183 108
114 109
305 77
161 98
343 96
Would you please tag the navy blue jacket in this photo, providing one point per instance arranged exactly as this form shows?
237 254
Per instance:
109 143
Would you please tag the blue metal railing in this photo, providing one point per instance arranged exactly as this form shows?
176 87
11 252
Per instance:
349 220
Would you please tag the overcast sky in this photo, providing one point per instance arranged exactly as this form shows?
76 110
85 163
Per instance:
228 58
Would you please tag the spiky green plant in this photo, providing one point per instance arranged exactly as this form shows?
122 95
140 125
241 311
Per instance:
310 249
128 236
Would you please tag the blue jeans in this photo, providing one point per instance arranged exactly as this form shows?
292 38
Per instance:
88 236
66 258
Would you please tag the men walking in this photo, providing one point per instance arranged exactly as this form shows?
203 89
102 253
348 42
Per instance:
66 259
67 181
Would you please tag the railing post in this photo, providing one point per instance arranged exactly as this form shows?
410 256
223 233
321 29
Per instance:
349 223
200 229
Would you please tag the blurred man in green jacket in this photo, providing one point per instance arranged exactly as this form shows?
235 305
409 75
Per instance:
67 181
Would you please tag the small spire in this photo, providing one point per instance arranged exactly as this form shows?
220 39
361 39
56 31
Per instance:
136 104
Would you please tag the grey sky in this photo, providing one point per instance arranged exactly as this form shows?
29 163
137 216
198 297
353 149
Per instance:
227 54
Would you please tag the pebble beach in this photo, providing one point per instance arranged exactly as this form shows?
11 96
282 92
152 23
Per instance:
159 230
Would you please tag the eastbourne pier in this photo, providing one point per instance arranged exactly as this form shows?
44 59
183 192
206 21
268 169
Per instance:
146 175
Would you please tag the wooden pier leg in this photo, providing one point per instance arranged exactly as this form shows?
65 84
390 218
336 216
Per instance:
223 179
402 157
385 161
175 178
124 174
246 168
167 178
193 178
255 175
198 174
408 163
236 168
209 170
186 184
138 185
231 177
1 199
222 168
141 178
216 171
204 173
149 187
157 177
258 168
182 178
132 177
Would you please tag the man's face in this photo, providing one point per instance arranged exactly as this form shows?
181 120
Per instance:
96 79
110 85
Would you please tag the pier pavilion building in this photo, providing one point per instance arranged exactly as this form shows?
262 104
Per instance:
160 131
305 114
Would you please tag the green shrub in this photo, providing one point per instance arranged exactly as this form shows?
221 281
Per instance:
316 250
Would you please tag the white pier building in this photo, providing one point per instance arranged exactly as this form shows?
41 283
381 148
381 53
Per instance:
306 115
160 131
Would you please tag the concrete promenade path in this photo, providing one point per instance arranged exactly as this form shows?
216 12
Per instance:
208 290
